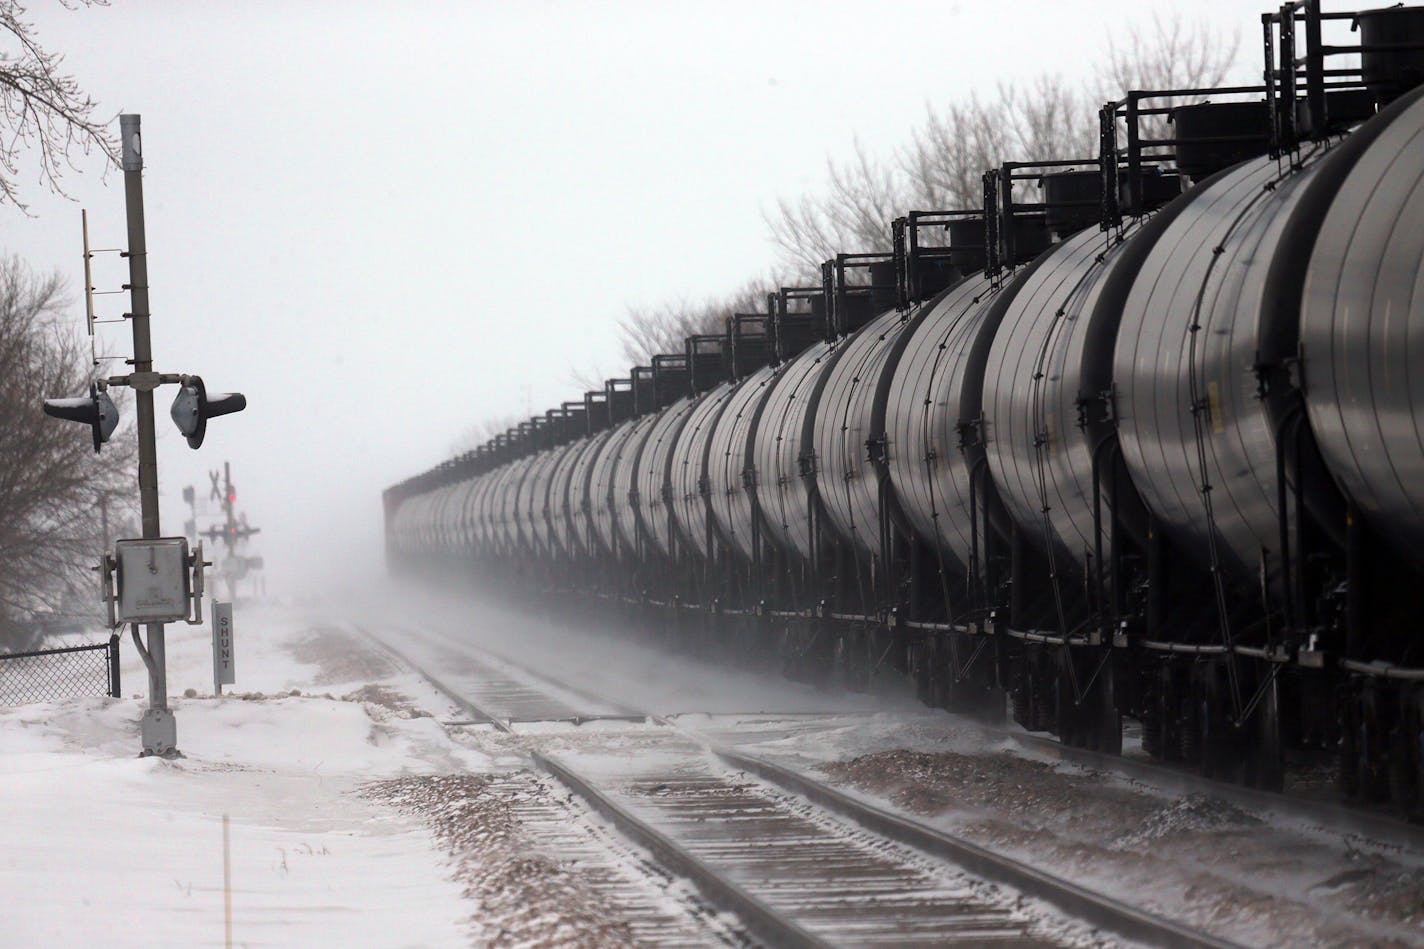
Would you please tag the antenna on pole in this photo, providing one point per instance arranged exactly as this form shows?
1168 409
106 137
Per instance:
88 286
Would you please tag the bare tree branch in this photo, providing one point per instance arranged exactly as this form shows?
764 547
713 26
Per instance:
43 112
1171 54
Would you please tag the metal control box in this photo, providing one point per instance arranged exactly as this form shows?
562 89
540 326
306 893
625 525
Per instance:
153 580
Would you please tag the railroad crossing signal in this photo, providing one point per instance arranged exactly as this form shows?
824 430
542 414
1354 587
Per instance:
191 409
98 411
194 405
235 528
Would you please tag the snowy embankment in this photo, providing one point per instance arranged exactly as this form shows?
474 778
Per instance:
101 847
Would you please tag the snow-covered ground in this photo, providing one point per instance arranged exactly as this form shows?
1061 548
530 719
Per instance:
99 847
358 819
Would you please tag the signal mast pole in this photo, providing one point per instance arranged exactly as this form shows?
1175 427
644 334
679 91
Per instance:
159 730
158 579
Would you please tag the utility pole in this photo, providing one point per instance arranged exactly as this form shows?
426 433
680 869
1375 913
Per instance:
160 731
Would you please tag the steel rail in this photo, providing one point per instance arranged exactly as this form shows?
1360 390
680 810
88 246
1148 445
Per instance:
758 918
1102 911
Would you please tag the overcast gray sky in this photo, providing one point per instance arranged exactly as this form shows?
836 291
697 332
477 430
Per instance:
386 221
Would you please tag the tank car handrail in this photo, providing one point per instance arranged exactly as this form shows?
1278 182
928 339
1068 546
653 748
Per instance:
1385 670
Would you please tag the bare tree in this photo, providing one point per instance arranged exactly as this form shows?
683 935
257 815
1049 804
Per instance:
43 112
1046 118
941 166
1171 54
851 215
51 483
480 432
648 331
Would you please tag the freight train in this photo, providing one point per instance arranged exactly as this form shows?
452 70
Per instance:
1149 447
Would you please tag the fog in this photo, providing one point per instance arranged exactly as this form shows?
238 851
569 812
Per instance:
386 222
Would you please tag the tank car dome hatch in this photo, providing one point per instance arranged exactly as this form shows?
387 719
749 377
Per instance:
1074 200
750 345
1031 236
1157 188
937 274
731 468
966 243
1392 62
1213 136
1362 331
793 333
882 285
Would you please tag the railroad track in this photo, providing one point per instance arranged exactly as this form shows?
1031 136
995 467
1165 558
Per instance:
797 861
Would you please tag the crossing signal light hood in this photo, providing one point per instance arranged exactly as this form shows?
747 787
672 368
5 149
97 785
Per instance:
96 410
194 405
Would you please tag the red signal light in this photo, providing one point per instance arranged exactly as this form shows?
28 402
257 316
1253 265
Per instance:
232 496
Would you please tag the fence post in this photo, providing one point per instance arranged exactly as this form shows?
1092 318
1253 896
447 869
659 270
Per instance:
115 691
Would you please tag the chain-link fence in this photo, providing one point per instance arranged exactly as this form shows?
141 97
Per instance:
50 675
